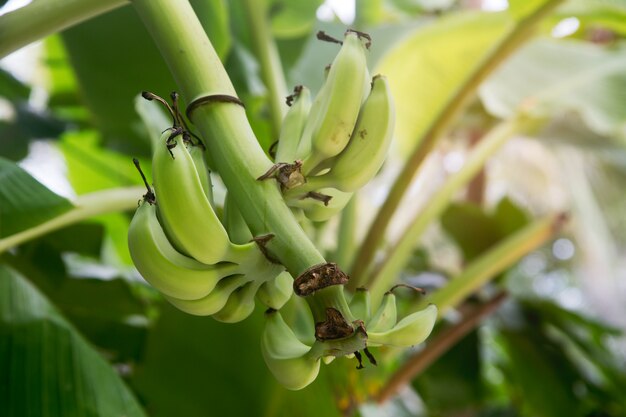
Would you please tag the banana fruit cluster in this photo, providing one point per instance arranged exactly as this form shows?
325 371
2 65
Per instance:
179 245
295 360
334 145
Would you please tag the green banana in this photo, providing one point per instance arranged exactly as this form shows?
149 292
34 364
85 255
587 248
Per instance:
170 272
386 316
197 156
277 291
315 210
214 301
240 304
285 355
365 153
293 125
409 331
360 304
184 209
234 222
336 108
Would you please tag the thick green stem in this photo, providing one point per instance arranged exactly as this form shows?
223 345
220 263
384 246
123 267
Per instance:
228 136
267 55
387 271
41 18
519 33
86 206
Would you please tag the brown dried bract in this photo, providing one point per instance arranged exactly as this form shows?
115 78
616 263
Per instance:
317 277
334 327
288 175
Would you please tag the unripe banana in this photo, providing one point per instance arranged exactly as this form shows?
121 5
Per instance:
277 291
411 330
315 210
197 155
214 301
184 209
338 103
365 153
240 304
386 316
285 355
170 272
293 126
360 304
238 230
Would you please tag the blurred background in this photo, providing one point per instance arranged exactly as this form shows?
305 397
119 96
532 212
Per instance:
553 345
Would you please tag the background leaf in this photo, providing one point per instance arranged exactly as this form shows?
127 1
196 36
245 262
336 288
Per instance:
46 367
551 78
25 202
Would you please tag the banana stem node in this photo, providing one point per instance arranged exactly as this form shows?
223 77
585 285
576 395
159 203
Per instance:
288 175
212 98
334 327
318 277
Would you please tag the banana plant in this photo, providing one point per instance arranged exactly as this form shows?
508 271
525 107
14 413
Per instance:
222 252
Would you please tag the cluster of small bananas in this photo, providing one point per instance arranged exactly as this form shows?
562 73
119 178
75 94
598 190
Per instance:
333 146
179 245
328 149
294 358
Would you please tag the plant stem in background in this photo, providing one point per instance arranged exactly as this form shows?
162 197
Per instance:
384 274
494 261
267 55
346 234
518 34
227 134
41 18
85 207
438 346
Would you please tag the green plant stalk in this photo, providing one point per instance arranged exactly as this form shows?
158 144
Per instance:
383 275
494 261
41 18
85 207
271 66
346 235
228 136
519 33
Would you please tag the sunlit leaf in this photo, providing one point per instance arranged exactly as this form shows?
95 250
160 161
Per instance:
25 202
47 368
437 65
550 78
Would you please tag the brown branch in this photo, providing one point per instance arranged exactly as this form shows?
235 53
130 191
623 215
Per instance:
440 345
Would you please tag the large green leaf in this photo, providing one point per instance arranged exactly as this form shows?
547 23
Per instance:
46 367
453 382
436 68
550 78
24 201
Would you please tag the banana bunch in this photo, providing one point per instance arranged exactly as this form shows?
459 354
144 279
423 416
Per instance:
333 146
179 245
295 361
